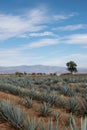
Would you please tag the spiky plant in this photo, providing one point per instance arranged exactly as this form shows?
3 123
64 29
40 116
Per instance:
45 109
72 104
66 90
10 88
84 123
50 125
17 118
62 102
83 108
28 101
43 126
73 125
52 99
12 114
44 96
31 124
57 115
85 96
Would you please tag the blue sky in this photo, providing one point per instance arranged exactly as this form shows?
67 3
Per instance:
47 32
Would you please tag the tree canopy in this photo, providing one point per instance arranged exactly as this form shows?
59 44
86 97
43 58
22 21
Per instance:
71 66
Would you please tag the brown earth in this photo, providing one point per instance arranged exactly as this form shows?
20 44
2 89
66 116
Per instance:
33 112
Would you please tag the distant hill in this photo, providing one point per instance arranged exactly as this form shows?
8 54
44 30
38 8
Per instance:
37 69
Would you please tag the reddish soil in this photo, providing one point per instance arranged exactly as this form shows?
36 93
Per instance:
6 126
33 112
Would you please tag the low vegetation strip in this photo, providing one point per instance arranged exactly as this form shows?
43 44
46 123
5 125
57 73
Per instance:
49 90
50 93
19 120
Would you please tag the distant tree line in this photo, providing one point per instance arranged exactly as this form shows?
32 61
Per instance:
71 67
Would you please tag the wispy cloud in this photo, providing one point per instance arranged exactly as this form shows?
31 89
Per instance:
62 17
71 27
32 21
80 59
14 57
68 39
43 42
39 43
42 34
75 39
12 26
38 34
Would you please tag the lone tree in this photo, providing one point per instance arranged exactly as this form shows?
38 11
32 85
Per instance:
71 66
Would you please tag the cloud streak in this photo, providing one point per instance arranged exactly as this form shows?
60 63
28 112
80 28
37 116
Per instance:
62 17
42 34
78 58
31 22
38 34
71 27
68 39
12 57
39 43
75 39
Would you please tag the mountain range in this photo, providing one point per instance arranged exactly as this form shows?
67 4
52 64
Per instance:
37 69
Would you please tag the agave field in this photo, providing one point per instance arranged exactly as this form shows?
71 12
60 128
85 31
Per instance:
45 102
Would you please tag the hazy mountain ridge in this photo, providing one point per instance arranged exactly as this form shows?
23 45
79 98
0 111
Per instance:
37 69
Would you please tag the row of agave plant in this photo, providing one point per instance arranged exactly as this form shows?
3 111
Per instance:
63 89
73 105
47 94
20 121
45 83
29 81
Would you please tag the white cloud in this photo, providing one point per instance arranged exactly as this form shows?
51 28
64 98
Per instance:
80 59
44 42
38 34
13 57
40 43
70 39
62 17
71 27
33 21
75 39
42 34
13 25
